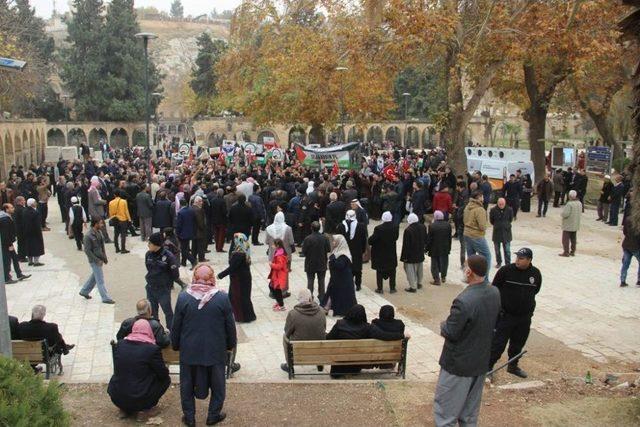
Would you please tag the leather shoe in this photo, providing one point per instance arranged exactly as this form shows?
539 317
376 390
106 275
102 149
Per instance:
38 264
235 367
189 423
410 290
284 367
124 251
24 277
109 301
515 370
217 419
10 281
85 295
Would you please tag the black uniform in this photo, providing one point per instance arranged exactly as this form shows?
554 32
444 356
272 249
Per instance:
162 271
518 289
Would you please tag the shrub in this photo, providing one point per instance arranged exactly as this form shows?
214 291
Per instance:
25 401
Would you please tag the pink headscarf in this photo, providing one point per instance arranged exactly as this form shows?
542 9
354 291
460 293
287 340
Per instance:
141 332
203 284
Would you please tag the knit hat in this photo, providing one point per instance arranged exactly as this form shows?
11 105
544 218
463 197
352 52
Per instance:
438 215
387 217
412 218
74 199
156 239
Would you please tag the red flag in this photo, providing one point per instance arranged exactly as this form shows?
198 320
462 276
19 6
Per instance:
336 169
389 172
152 170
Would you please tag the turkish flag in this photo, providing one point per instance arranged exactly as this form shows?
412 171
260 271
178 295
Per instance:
389 172
336 169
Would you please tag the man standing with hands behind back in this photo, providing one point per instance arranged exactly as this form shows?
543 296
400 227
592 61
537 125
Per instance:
467 332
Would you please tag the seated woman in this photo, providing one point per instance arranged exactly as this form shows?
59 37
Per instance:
354 326
387 321
140 376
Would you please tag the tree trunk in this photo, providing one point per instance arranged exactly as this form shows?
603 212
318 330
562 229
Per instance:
536 116
606 132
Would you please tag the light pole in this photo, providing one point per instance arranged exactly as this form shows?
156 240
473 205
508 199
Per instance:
66 108
342 131
406 109
145 38
155 115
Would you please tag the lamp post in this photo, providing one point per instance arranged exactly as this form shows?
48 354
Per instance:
66 108
342 131
145 38
406 96
155 114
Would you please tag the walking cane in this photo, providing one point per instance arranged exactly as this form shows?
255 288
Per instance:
516 357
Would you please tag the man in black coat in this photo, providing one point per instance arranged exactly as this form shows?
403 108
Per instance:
513 194
419 200
8 236
33 233
143 308
467 333
163 213
37 329
617 193
218 218
439 247
162 270
334 214
241 217
355 232
18 218
384 258
501 216
203 331
315 248
414 242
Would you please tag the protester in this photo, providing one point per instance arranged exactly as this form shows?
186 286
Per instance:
279 274
630 250
513 194
467 333
384 259
558 188
315 248
439 247
201 234
340 295
617 194
144 206
335 212
163 214
77 221
162 271
501 217
259 214
544 190
94 249
239 272
186 232
279 230
95 203
570 224
355 232
119 218
143 309
8 238
218 219
414 243
140 375
37 329
306 322
203 331
19 219
527 190
34 241
475 227
605 199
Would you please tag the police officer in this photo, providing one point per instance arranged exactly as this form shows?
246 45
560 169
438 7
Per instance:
162 270
518 283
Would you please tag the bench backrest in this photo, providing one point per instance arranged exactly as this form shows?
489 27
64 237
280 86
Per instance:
346 352
30 351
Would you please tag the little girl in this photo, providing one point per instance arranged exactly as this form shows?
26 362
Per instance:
278 276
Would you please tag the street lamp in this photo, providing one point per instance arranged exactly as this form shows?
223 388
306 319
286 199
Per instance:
342 113
155 115
145 38
406 96
66 108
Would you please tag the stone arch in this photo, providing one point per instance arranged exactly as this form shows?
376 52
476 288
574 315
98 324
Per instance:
17 148
55 137
317 135
76 136
393 134
244 136
375 135
138 138
412 137
119 138
356 134
336 135
428 136
95 136
181 128
297 135
266 133
171 129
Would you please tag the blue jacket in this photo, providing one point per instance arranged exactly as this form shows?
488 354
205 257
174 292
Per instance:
257 206
186 223
162 269
203 336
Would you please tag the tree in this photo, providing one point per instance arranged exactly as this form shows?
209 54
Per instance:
84 62
123 72
177 10
427 89
204 77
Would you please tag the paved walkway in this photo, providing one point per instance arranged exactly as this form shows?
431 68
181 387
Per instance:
580 304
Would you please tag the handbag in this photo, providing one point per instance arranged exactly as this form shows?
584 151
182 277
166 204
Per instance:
114 221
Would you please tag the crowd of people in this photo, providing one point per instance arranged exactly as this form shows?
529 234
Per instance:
186 209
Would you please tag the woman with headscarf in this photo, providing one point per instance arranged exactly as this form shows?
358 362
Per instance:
239 274
355 234
280 230
203 331
340 295
279 275
140 376
384 258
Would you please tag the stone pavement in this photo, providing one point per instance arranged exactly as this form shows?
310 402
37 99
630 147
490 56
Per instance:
580 304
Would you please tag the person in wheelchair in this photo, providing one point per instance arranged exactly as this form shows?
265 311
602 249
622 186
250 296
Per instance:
37 329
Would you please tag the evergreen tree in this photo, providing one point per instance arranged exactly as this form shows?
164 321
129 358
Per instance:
204 77
84 62
125 65
427 88
177 10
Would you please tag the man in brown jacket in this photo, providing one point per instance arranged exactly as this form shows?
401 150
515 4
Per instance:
307 321
43 199
544 190
475 226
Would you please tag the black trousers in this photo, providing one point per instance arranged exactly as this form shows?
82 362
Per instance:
515 205
255 231
194 379
130 405
311 276
185 252
120 230
43 208
77 235
64 213
357 279
511 329
380 275
543 205
9 257
556 199
277 294
200 246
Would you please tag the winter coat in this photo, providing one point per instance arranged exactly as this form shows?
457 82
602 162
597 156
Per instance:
439 238
442 202
571 215
279 271
605 194
357 245
144 204
163 214
315 248
558 182
631 241
501 220
414 242
186 223
544 189
383 247
305 322
33 233
475 219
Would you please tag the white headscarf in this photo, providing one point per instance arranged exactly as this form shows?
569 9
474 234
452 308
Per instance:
340 246
350 223
387 217
310 188
412 218
278 228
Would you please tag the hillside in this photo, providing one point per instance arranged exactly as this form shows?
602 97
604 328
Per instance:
174 52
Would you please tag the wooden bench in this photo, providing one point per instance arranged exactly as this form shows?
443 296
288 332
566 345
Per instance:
172 357
33 352
365 352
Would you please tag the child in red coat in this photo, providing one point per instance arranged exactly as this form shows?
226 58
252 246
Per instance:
278 277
